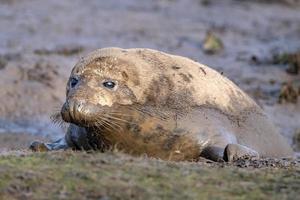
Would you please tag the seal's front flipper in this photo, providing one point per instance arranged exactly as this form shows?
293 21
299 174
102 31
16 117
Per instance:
59 144
38 146
233 152
214 153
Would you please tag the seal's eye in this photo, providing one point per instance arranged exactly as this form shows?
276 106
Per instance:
73 82
109 84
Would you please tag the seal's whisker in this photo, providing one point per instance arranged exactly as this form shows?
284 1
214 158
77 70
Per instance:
153 112
119 119
113 123
56 119
102 124
57 109
108 123
85 121
149 111
113 127
119 114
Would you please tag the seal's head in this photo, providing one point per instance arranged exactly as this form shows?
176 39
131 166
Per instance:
99 86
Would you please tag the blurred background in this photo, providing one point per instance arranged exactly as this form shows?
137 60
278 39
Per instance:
254 43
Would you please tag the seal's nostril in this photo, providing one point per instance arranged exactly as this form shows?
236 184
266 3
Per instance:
79 106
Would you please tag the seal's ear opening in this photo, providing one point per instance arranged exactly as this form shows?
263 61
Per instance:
125 76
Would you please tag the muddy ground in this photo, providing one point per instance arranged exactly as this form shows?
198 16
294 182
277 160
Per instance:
70 175
40 41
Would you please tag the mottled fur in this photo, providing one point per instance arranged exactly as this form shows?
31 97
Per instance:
165 106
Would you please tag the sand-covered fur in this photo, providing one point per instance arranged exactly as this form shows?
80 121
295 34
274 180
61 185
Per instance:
165 106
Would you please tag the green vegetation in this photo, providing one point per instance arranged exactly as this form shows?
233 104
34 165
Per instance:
73 175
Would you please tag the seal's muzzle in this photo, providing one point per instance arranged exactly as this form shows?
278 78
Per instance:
79 112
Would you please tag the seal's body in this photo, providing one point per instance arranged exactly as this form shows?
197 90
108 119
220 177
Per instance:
143 101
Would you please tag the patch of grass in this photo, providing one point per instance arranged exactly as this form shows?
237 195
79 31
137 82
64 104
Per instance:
79 175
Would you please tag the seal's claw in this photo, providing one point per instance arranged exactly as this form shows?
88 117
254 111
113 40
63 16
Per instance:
37 146
233 152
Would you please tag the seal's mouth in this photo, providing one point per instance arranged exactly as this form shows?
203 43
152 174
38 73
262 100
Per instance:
88 115
80 113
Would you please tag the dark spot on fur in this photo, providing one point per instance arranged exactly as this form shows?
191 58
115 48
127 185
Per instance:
185 77
125 94
156 135
76 70
159 127
125 75
152 59
159 90
179 131
180 102
99 59
175 67
169 143
203 71
134 128
190 75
